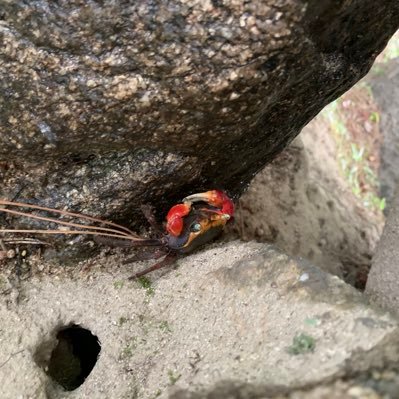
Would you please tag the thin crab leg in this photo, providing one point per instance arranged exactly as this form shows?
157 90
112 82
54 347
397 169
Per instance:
134 240
146 256
166 261
63 223
30 241
66 213
121 243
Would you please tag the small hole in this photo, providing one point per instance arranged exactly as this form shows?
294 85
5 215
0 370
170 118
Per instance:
73 357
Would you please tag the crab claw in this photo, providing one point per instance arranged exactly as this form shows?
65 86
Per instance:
174 218
215 198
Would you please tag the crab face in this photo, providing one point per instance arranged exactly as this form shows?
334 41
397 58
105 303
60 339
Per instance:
215 200
199 227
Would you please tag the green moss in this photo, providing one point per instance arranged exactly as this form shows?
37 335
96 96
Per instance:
173 377
302 344
3 283
147 285
118 284
156 394
128 350
126 353
164 326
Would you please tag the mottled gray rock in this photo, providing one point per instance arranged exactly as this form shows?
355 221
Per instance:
383 279
220 325
107 105
385 86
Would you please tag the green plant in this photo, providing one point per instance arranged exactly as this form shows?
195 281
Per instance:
357 153
353 158
374 117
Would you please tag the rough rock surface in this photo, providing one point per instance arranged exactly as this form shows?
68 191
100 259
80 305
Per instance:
220 325
385 86
383 280
301 203
107 105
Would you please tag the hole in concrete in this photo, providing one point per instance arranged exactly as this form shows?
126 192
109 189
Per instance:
73 357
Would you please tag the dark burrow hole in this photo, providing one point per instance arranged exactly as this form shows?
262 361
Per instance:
73 357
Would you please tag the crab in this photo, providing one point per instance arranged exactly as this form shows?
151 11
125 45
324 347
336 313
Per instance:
197 220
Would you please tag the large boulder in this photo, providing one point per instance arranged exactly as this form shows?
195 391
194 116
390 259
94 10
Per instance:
107 105
383 280
384 83
239 320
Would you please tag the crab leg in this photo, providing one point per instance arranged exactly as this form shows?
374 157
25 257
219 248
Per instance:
68 232
64 213
63 223
166 261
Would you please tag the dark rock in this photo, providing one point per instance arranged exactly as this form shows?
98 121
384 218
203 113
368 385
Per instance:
107 105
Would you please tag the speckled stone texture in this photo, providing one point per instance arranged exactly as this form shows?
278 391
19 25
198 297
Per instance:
383 280
105 105
220 326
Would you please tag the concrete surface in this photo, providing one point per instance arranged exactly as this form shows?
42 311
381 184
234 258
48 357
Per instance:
222 323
